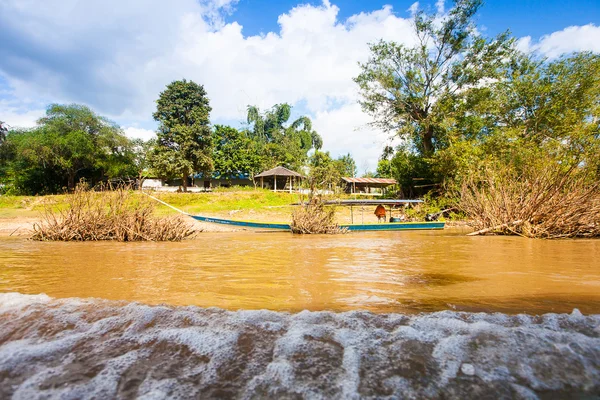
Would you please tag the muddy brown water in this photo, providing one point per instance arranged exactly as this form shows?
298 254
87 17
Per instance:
410 271
371 315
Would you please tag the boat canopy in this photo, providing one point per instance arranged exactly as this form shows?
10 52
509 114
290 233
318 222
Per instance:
367 202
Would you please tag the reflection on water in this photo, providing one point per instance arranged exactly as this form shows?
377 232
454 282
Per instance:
382 272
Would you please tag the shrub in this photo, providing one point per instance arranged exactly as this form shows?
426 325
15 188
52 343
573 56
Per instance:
108 215
315 217
542 201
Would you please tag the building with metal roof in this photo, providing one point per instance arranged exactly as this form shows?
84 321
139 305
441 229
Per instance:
368 186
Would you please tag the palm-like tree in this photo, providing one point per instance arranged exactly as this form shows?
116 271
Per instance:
269 126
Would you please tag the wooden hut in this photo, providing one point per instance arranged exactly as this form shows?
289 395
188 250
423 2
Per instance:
279 178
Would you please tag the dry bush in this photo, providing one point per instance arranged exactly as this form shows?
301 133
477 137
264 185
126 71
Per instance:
541 202
314 217
108 215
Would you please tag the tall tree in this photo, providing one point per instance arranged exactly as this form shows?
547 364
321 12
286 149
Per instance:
184 142
283 144
324 171
235 152
413 91
142 158
73 138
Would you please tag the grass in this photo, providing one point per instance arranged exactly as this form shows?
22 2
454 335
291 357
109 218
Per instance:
227 200
218 202
28 206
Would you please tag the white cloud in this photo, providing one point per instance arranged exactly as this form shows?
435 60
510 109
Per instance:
439 5
139 133
117 60
568 40
414 7
348 131
18 117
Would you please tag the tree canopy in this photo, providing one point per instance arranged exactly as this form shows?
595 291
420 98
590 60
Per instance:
414 92
281 143
459 101
235 152
69 143
184 137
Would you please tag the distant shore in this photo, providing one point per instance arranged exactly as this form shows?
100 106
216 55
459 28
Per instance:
19 213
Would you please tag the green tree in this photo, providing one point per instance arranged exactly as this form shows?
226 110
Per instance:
324 171
184 138
346 165
142 151
282 144
415 92
235 152
77 141
69 143
540 111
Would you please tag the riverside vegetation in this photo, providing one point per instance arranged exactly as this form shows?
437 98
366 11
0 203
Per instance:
108 215
314 217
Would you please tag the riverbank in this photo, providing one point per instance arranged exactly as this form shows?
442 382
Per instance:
19 213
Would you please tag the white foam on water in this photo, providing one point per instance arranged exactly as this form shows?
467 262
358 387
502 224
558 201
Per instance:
83 348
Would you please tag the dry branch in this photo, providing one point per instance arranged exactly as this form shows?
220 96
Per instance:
108 215
314 217
539 202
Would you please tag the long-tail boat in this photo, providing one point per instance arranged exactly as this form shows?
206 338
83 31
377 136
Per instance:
384 226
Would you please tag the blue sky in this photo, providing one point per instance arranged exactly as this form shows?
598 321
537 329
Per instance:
117 56
523 17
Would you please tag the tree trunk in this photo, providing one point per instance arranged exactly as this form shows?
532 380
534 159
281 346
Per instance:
140 181
184 182
428 141
71 181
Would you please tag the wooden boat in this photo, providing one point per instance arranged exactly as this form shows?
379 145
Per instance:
386 226
389 226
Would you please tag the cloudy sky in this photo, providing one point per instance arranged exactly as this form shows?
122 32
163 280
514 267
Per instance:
117 55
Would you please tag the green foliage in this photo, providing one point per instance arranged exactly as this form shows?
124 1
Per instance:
413 92
462 103
279 144
324 171
184 143
142 157
71 142
346 165
235 152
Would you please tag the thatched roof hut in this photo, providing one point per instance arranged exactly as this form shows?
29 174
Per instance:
286 177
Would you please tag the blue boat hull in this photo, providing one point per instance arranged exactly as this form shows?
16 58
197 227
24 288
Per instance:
394 226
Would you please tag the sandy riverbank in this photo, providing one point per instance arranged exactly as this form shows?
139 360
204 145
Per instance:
19 213
22 226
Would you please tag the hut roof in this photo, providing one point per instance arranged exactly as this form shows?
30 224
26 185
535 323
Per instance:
377 181
279 171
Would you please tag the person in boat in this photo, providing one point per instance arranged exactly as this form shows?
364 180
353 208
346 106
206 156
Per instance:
380 213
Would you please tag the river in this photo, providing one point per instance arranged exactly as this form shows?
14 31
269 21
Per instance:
252 315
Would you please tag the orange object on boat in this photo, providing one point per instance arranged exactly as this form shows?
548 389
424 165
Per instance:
380 211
